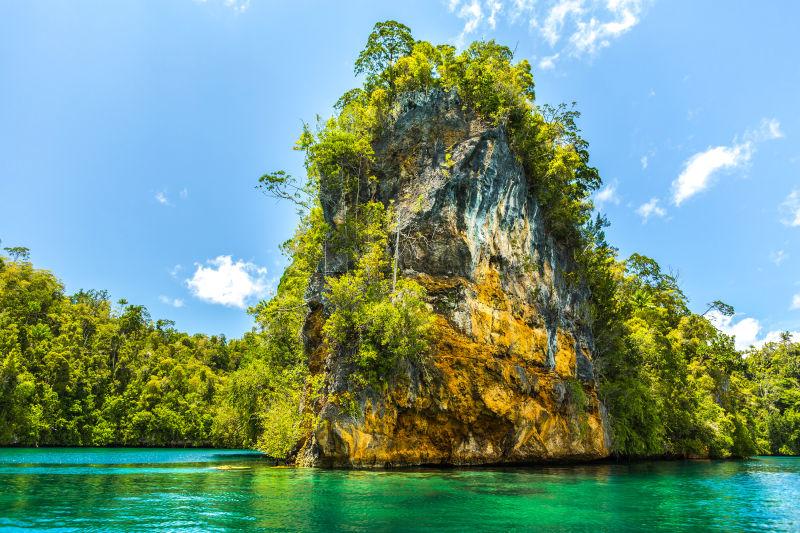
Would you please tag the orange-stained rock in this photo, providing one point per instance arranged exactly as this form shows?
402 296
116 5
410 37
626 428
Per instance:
513 337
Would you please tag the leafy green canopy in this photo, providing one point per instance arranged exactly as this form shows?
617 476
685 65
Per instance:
79 371
774 371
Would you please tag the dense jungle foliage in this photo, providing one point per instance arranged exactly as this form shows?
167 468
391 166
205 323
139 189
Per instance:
79 370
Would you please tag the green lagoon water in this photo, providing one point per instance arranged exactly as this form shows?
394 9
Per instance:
182 490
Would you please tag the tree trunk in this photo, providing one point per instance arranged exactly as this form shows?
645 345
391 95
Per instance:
396 256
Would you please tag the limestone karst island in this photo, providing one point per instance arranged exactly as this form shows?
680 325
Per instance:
434 309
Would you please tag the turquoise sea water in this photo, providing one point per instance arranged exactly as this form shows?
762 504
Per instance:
179 490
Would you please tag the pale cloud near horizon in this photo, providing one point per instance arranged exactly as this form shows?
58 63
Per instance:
795 302
573 28
790 209
174 302
650 209
701 168
746 331
231 283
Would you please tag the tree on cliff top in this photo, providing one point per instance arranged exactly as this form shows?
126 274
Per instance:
388 42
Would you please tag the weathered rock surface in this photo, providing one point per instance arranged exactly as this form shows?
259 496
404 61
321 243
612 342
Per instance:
511 378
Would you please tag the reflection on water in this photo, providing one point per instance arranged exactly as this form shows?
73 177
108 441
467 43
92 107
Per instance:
221 490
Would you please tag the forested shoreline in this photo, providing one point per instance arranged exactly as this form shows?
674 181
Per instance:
80 370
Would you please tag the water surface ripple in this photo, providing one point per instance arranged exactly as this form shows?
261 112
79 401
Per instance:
219 490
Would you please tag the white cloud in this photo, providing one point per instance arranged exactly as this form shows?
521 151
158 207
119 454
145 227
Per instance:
519 8
161 198
569 27
700 169
548 62
230 283
790 209
768 130
592 35
607 195
650 209
558 13
472 15
495 6
645 159
795 302
778 257
745 331
240 6
174 302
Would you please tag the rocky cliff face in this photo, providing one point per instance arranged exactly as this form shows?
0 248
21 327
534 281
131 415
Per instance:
510 378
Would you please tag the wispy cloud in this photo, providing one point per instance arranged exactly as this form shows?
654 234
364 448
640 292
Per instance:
572 28
700 169
790 209
471 13
795 302
174 302
161 198
495 7
778 257
548 62
240 6
644 161
746 331
594 34
553 24
227 282
607 195
650 209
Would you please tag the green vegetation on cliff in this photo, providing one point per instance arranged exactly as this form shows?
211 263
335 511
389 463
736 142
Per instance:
673 384
78 370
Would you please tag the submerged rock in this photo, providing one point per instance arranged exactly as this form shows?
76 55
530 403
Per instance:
510 378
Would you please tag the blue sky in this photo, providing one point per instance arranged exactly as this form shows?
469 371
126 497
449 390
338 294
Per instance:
132 134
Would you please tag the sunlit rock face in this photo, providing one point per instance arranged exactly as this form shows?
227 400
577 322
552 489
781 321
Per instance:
510 378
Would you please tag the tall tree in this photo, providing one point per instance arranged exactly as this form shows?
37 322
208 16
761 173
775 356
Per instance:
389 41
